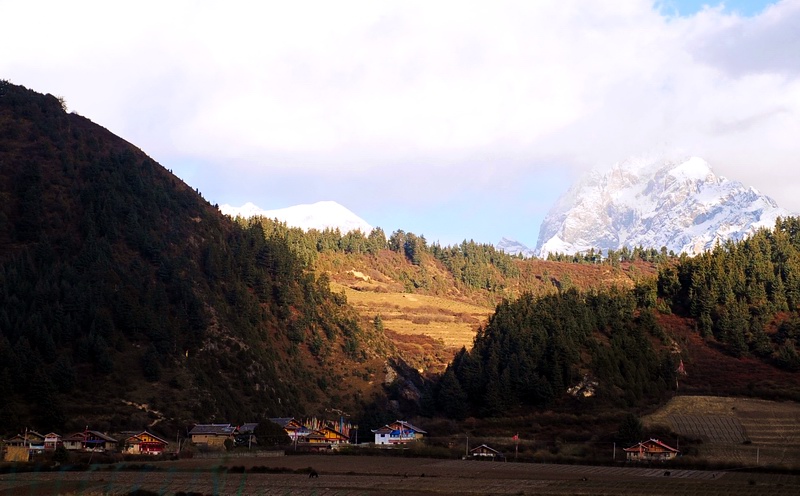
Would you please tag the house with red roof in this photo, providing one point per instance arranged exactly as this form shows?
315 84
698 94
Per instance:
651 450
145 443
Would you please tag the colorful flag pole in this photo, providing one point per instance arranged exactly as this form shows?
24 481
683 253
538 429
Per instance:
516 445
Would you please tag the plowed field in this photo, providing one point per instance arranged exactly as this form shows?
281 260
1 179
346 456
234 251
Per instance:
348 475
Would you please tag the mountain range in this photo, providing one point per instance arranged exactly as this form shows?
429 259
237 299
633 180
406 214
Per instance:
514 247
647 201
320 216
124 292
655 202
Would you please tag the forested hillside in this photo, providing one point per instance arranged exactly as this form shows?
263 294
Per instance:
533 350
731 314
744 295
121 285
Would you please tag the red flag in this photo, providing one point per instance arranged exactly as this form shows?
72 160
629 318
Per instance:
516 437
681 369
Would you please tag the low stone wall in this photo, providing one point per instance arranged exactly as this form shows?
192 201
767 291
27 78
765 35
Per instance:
240 454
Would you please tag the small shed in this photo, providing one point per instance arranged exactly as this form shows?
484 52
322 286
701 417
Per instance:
483 451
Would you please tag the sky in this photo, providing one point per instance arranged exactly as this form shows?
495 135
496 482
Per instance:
449 119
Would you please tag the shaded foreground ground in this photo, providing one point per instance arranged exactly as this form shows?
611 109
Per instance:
348 475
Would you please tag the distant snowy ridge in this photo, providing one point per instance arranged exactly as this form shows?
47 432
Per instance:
513 247
655 202
320 216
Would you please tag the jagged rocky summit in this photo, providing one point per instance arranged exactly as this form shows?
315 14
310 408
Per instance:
320 216
655 202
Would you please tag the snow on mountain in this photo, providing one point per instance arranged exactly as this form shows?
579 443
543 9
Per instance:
320 216
654 202
513 247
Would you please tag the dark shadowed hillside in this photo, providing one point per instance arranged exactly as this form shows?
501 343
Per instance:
121 286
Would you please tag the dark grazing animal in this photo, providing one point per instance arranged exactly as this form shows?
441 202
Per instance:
313 474
667 474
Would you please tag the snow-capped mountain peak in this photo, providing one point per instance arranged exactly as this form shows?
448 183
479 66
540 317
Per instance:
654 202
513 247
320 216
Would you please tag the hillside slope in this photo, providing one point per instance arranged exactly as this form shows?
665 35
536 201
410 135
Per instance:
429 314
121 286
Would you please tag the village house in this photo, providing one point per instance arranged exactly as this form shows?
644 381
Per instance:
90 441
212 436
30 439
294 429
145 443
398 432
20 447
315 441
484 451
324 438
333 436
651 450
52 441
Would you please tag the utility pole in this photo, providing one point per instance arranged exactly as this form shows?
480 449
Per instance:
614 455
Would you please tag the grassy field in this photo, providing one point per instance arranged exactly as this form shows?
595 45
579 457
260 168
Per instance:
452 322
742 430
428 330
361 475
429 315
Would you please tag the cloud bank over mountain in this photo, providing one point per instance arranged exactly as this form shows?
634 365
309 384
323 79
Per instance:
373 103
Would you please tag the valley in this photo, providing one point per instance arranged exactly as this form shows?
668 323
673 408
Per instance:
129 301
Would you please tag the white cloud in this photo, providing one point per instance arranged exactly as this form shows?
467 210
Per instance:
369 88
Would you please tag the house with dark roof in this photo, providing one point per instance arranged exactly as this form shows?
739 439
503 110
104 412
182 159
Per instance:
30 439
398 432
90 441
484 451
212 436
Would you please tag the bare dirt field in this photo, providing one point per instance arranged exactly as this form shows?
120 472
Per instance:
353 475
